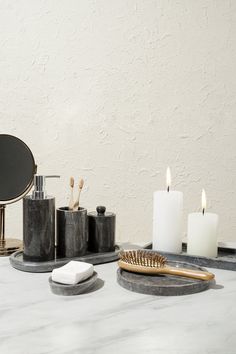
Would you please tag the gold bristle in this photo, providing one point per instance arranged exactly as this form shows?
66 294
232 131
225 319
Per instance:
143 258
72 182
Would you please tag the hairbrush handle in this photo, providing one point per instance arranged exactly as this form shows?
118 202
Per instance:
183 272
189 273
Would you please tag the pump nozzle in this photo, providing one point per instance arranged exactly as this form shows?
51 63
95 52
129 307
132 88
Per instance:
39 191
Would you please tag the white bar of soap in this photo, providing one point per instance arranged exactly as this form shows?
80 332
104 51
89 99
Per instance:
72 273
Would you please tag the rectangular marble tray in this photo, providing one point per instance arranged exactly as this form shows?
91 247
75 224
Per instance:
17 261
226 258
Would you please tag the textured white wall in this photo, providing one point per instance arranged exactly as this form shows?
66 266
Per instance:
115 91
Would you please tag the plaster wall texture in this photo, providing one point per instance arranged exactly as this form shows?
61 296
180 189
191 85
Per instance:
115 91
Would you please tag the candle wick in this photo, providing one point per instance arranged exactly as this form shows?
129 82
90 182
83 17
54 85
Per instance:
168 188
203 211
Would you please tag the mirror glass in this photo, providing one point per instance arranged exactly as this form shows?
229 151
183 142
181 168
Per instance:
17 168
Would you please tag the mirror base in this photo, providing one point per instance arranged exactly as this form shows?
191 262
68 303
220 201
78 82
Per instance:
10 246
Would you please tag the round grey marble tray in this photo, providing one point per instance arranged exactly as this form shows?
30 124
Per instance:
69 290
17 261
226 258
163 285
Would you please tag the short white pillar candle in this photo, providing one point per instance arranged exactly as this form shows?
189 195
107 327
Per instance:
202 232
167 219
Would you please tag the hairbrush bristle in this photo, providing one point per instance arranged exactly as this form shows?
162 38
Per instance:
81 183
143 258
72 181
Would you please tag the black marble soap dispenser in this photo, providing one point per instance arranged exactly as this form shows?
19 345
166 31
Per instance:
39 223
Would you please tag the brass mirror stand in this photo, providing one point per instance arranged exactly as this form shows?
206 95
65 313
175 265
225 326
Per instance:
9 245
16 179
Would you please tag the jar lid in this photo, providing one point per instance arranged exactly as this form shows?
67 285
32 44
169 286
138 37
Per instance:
101 212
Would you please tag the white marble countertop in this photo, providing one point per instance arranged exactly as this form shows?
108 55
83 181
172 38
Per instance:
113 320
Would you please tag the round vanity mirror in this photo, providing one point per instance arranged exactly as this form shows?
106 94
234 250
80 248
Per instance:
17 169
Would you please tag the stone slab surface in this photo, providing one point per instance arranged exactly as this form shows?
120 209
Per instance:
112 319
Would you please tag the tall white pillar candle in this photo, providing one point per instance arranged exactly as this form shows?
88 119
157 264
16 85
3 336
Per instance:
202 232
167 219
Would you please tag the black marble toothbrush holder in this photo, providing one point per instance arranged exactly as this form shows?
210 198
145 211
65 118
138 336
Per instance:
72 232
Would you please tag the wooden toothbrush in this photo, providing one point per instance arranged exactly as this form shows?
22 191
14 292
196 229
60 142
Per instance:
76 204
146 262
71 202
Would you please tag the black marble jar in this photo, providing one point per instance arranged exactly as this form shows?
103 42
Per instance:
101 230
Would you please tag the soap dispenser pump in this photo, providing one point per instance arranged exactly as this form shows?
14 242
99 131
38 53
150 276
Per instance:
39 223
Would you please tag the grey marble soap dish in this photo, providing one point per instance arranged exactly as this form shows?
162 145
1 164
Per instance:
69 290
17 261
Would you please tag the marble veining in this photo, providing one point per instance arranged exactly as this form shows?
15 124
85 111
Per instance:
112 319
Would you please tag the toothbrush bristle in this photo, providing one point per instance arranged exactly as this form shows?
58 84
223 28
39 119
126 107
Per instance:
72 182
143 258
81 183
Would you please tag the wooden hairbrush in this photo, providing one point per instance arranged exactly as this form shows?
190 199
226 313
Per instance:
146 262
